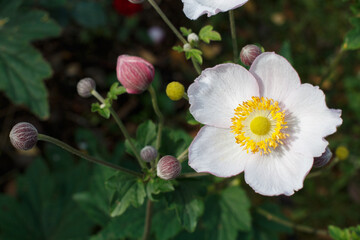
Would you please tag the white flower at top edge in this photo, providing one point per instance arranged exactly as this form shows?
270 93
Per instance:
195 8
262 122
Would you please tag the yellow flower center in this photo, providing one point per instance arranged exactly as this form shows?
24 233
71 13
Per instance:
259 125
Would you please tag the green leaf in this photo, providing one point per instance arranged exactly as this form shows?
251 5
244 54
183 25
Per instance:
185 31
194 53
145 135
89 14
115 91
103 110
178 48
352 38
130 190
22 68
187 205
351 233
157 186
207 34
174 141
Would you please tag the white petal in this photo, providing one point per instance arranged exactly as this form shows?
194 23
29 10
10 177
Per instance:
218 91
214 150
276 77
280 172
195 8
310 120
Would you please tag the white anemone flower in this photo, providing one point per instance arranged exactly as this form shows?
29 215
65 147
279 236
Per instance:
195 8
262 122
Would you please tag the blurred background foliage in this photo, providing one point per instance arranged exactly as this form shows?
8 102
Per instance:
47 46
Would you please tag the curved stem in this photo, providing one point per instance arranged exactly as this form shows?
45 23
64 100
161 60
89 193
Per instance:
160 117
233 35
196 66
183 156
122 128
167 21
72 150
298 227
148 218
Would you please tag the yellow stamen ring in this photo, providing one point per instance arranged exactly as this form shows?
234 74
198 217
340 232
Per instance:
258 125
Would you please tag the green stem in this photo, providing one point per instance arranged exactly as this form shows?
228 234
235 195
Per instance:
233 35
195 174
298 227
148 218
331 71
185 96
167 21
183 156
196 66
72 150
160 118
122 128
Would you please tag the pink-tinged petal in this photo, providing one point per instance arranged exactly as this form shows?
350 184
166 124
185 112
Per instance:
276 77
195 8
281 172
218 91
215 151
310 120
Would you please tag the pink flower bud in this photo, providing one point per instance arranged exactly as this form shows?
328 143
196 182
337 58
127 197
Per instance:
148 153
23 136
85 86
249 53
134 73
168 168
323 159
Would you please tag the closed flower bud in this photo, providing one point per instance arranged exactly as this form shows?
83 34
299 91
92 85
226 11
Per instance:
187 47
134 73
85 86
136 1
249 53
168 168
175 91
148 153
192 37
323 159
342 152
23 136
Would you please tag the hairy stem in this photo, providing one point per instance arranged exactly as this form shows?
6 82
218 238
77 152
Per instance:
72 150
122 128
183 156
298 227
148 218
233 35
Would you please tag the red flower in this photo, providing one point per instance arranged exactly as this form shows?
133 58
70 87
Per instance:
126 8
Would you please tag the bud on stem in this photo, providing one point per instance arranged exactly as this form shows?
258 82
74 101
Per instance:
168 168
23 136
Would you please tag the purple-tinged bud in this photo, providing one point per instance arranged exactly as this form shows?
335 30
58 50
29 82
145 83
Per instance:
249 53
23 136
148 153
85 86
323 159
134 73
136 1
168 168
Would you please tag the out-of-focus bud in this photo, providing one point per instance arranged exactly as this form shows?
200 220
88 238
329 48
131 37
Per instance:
249 53
187 47
342 152
23 136
157 34
134 73
323 159
175 91
192 37
136 1
148 153
168 168
85 86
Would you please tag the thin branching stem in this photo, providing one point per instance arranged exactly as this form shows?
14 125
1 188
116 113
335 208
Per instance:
148 218
233 35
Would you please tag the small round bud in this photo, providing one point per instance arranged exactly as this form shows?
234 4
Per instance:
249 53
23 136
134 73
136 1
148 153
342 152
187 47
168 168
323 159
175 91
192 37
157 34
85 86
